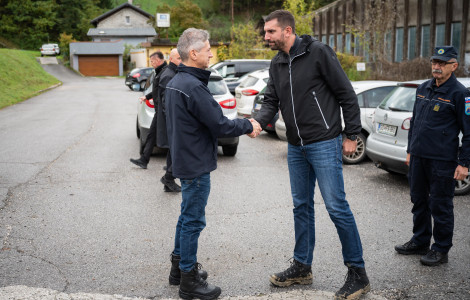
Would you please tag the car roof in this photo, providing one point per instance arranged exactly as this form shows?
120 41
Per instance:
259 73
364 85
463 80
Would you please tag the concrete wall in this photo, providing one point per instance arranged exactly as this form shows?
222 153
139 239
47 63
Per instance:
118 20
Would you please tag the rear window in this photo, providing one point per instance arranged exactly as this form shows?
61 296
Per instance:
400 99
217 86
249 81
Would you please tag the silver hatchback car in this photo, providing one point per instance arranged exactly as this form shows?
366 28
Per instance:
386 145
220 92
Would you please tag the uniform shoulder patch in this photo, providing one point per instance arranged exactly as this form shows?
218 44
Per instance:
467 106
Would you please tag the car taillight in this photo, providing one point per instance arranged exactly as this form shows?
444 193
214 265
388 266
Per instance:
136 75
406 124
229 103
250 92
149 104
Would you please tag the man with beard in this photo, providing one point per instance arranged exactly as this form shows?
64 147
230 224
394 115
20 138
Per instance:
441 111
307 83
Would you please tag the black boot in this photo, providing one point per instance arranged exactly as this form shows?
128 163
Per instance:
139 162
175 272
193 286
170 185
356 284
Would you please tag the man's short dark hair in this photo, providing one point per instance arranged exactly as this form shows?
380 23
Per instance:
284 18
157 53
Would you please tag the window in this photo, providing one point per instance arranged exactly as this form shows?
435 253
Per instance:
357 46
323 39
425 41
388 45
411 42
456 33
227 71
440 34
375 96
399 45
339 42
347 48
217 86
128 20
331 40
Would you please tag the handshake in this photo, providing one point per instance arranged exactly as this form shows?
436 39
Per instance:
256 128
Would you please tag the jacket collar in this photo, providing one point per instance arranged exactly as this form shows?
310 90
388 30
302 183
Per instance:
202 75
300 46
172 66
160 67
444 88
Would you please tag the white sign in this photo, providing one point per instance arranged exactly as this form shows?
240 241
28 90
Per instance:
163 20
361 66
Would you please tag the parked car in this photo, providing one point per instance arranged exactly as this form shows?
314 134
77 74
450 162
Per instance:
137 78
246 92
233 69
387 144
218 89
369 96
232 85
257 103
50 49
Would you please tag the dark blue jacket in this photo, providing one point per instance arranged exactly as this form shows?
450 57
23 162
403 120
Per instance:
194 122
439 114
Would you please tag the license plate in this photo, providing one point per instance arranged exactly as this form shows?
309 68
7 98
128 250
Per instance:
387 129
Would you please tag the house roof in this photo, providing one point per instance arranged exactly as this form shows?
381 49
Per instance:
81 48
96 20
144 31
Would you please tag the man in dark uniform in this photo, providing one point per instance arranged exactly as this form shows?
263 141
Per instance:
441 111
162 139
158 62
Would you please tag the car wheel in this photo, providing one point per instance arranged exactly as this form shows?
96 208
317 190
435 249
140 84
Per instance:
462 187
360 153
130 87
137 129
142 85
230 150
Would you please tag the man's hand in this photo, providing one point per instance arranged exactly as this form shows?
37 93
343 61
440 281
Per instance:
349 146
460 173
256 128
407 162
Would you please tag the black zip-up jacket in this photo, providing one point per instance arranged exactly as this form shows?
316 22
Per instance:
439 115
194 122
154 94
310 88
166 75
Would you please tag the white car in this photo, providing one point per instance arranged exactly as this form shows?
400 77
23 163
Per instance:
220 92
387 144
49 49
369 95
246 92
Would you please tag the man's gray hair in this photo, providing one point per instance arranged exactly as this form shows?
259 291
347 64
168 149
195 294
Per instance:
191 38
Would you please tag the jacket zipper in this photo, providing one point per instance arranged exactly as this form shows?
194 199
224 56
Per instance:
321 112
292 98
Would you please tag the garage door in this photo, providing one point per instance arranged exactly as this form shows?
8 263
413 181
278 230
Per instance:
99 65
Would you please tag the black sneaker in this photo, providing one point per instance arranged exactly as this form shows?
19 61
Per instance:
170 185
139 163
297 273
411 248
434 258
356 284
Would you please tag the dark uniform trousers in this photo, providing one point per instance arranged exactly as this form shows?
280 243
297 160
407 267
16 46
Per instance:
432 187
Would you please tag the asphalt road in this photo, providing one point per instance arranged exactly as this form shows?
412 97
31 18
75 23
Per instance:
78 219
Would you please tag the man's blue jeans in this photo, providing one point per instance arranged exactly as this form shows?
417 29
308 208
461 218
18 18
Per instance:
192 219
322 162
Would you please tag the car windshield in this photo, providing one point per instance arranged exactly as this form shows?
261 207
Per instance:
249 81
400 99
217 86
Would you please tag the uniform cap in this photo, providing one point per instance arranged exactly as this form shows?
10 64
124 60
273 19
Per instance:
444 53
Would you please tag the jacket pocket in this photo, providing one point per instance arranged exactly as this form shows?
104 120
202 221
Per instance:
321 111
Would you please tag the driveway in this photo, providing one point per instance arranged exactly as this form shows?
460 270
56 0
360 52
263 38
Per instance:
79 221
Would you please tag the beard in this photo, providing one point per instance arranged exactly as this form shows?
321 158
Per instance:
277 45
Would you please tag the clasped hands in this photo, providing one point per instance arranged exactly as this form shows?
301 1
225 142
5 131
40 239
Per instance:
256 128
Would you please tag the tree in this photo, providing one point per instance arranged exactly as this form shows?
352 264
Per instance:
302 15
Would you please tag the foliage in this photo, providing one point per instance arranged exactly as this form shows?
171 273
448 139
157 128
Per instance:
126 57
183 15
64 42
302 15
247 43
349 64
14 85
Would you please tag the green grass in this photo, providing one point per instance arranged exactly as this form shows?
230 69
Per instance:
21 76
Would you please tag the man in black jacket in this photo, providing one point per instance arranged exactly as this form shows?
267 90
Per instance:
309 86
194 122
162 139
158 62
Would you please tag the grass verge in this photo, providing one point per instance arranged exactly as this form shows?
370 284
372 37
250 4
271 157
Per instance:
21 76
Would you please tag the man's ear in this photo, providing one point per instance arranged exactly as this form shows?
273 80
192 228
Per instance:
288 30
192 54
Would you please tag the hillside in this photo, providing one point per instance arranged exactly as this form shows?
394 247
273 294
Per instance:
22 76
